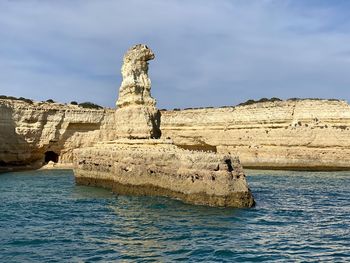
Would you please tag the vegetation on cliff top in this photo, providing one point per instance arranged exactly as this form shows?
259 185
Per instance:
251 102
14 98
86 105
90 105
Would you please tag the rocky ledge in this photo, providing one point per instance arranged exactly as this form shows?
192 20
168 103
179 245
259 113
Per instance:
157 167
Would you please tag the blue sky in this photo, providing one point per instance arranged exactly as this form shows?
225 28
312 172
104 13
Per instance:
208 53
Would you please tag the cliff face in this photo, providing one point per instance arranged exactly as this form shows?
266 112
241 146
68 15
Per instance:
306 134
303 134
28 131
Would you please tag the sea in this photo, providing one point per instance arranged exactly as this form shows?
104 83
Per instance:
298 217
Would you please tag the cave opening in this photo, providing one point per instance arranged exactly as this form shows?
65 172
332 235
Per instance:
229 165
51 156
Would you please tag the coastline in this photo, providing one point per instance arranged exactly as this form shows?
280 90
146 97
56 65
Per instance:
57 166
282 135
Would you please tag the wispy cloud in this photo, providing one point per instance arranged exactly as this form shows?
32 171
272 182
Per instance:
208 53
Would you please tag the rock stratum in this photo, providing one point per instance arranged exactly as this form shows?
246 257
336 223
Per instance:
301 135
293 134
30 132
157 167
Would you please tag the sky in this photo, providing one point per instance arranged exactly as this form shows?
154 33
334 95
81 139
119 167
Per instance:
208 52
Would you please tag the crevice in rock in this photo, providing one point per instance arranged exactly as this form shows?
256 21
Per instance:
229 165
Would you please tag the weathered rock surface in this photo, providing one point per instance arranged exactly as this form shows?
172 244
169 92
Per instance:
157 167
151 166
305 135
302 134
135 88
136 115
28 131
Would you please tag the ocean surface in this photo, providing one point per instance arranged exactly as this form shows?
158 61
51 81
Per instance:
299 217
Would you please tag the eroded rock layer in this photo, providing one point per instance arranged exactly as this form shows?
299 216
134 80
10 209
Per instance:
301 134
157 167
141 164
136 115
305 134
28 131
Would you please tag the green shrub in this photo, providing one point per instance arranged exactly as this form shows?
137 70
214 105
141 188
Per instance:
250 102
14 98
90 105
26 100
50 101
275 99
74 103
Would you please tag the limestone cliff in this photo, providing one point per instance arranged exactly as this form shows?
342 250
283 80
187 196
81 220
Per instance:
293 134
29 131
303 134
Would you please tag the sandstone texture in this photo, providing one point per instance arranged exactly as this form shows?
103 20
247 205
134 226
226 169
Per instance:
140 164
136 115
29 131
294 134
157 167
302 135
135 88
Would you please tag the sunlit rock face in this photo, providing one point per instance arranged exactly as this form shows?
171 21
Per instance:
158 167
29 130
139 163
136 115
310 134
136 85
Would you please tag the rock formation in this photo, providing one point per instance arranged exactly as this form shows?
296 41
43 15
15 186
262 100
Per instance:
157 167
136 115
136 85
293 134
149 166
302 135
29 131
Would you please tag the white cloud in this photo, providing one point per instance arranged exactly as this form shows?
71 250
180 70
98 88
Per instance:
207 52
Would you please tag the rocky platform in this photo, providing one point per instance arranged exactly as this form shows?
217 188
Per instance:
157 167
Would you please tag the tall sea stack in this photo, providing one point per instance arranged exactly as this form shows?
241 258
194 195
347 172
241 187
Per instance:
138 162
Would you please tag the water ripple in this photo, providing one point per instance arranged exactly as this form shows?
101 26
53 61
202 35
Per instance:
299 217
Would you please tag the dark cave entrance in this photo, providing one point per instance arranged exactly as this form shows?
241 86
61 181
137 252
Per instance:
229 165
51 156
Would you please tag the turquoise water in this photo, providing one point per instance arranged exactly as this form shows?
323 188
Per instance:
300 216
